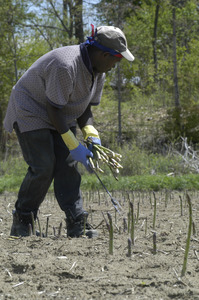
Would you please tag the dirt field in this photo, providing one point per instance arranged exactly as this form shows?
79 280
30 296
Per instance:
56 267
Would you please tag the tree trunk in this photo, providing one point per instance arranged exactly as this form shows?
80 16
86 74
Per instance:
73 17
15 57
155 41
119 80
175 73
79 32
68 16
119 105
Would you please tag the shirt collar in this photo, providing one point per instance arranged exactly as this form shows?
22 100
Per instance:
85 57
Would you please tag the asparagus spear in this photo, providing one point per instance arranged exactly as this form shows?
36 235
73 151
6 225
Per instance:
104 155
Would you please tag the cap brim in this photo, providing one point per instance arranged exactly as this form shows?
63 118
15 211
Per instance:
128 55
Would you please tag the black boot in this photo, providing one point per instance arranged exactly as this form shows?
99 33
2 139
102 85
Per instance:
75 226
22 224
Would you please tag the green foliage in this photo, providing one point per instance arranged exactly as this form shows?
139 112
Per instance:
10 183
136 175
144 183
126 183
13 166
183 122
12 173
138 162
139 30
188 74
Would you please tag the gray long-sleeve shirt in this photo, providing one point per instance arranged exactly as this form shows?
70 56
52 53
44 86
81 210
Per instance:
61 77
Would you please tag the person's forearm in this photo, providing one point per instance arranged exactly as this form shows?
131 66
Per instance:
77 150
86 118
85 123
57 118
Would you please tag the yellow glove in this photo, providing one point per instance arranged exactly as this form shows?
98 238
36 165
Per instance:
90 131
70 140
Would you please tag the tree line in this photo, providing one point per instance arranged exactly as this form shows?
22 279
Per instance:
162 35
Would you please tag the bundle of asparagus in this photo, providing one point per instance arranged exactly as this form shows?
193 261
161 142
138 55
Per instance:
107 156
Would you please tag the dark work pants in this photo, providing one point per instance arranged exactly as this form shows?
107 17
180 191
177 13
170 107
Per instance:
48 158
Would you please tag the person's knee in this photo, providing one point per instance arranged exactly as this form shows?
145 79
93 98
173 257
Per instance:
45 169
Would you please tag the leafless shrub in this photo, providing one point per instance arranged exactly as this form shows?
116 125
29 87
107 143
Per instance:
189 156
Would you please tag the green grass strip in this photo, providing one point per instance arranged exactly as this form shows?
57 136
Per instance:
12 182
143 183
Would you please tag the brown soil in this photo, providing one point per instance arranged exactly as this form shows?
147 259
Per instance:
80 268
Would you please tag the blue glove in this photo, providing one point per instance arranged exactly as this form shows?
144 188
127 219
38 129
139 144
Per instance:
94 140
81 154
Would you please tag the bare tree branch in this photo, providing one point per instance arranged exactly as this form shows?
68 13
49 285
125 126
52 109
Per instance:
58 16
190 157
44 36
42 26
